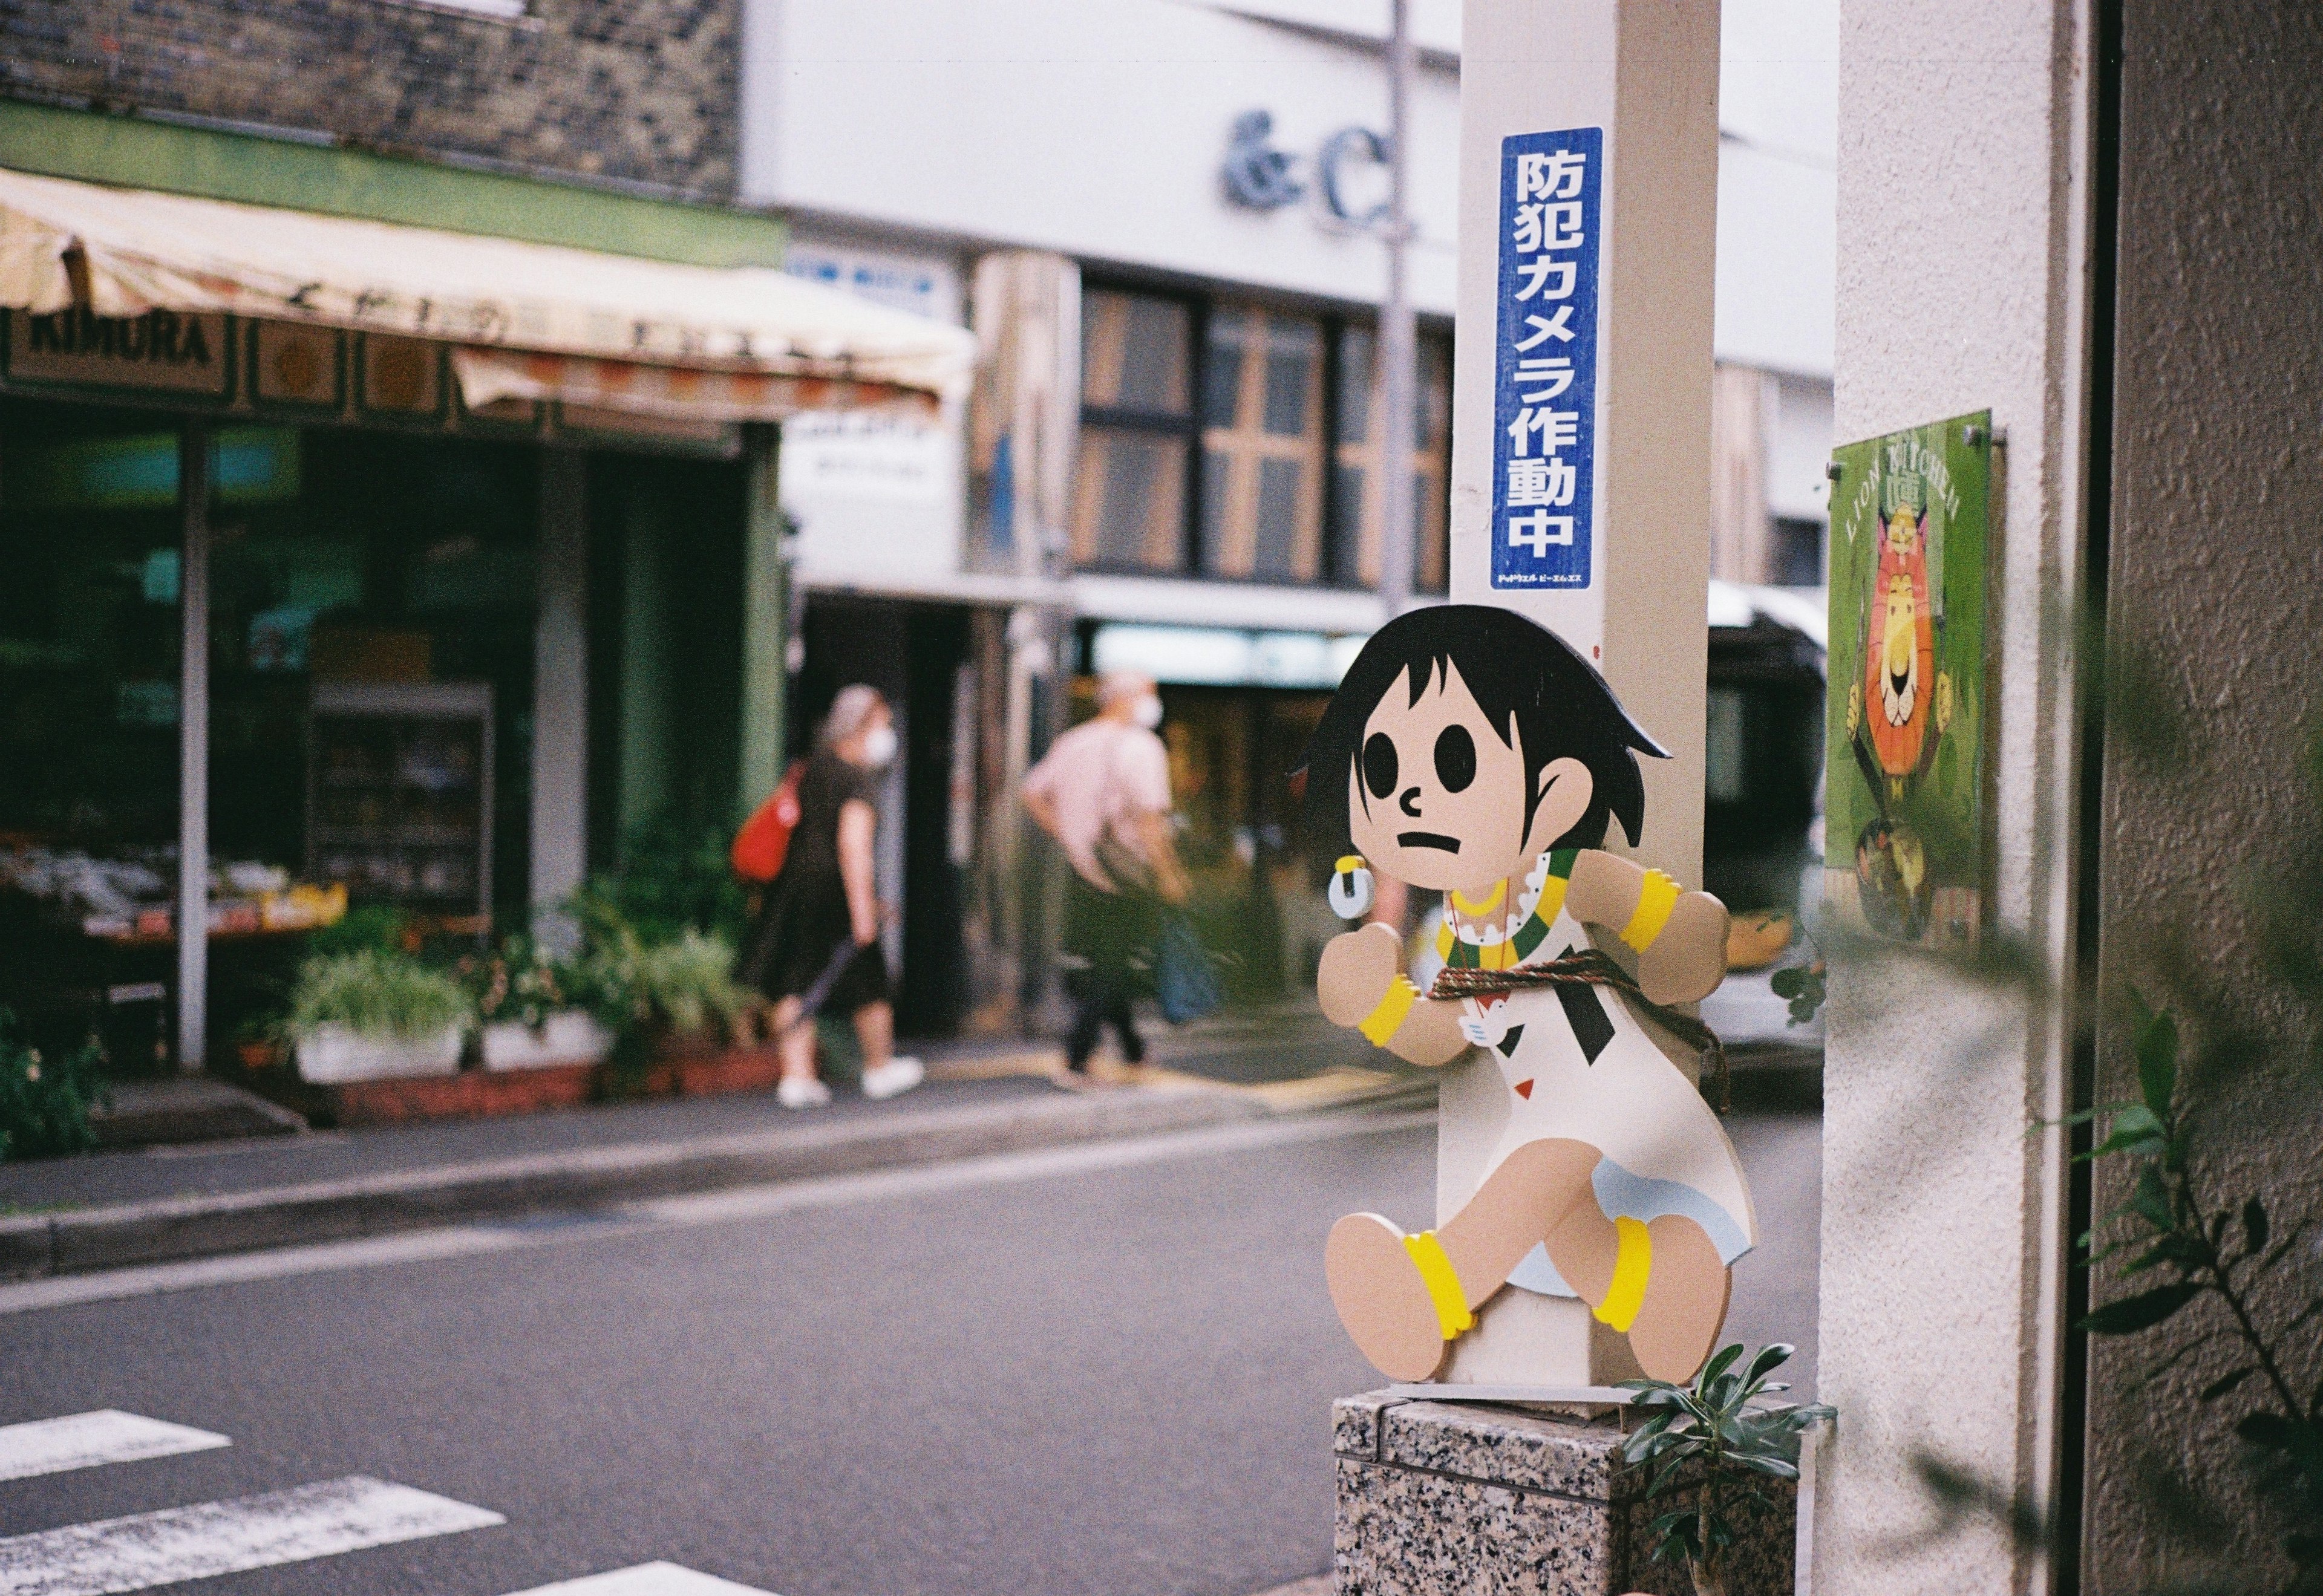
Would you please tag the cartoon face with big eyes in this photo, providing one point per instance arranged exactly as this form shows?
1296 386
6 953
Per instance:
1441 798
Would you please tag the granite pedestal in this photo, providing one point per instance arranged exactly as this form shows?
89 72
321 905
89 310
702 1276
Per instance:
1442 1499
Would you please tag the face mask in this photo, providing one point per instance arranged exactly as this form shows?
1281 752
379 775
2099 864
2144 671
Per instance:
879 746
1148 713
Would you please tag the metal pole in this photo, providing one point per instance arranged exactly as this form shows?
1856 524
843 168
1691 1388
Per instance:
1398 338
193 746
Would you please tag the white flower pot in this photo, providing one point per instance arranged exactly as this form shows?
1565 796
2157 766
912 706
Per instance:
569 1037
333 1054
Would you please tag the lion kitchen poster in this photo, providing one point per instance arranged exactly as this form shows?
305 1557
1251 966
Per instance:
1905 847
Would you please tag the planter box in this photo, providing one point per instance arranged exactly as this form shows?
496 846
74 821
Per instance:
690 1072
333 1054
474 1094
570 1037
1447 1499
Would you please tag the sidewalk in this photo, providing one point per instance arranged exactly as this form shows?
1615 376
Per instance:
122 1210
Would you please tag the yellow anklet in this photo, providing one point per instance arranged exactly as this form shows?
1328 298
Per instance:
1632 1264
1443 1283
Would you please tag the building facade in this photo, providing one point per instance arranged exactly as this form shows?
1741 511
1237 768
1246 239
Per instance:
473 516
1157 215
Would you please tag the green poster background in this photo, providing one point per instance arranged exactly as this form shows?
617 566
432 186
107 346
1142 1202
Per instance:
1903 848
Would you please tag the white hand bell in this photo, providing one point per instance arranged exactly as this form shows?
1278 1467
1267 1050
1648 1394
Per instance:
1350 892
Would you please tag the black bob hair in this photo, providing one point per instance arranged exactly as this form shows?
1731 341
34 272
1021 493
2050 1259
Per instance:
1513 667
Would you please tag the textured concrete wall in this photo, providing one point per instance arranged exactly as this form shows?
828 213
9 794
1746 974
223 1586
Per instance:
1962 214
2218 581
640 90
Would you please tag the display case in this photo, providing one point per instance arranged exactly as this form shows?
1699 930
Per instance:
400 797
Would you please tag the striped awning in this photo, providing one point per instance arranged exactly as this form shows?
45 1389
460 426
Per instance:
527 320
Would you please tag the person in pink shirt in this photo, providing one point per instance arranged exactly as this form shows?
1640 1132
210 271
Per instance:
1103 793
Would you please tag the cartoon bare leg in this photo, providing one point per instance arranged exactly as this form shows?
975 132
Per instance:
1404 1298
1662 1283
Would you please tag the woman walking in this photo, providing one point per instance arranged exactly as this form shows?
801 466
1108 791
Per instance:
818 943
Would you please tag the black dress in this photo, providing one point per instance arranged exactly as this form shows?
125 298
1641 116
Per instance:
805 922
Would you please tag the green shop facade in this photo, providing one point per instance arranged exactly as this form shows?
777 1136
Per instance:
283 618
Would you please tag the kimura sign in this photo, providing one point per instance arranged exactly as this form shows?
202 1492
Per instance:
1545 416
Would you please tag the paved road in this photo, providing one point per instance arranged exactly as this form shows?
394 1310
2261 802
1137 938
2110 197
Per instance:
1102 1371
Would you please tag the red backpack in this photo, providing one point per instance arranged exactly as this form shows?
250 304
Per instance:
764 842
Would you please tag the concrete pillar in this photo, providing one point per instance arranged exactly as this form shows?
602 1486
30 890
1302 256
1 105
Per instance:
647 735
2215 599
193 746
1644 75
560 691
766 625
1965 257
1024 426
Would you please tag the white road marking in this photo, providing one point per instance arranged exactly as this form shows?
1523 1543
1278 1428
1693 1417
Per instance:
85 1440
148 1549
708 1207
649 1579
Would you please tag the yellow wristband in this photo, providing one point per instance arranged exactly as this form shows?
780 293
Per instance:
1656 898
1632 1265
1443 1283
1382 1022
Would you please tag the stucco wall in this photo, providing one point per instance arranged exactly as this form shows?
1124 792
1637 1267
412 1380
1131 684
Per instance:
640 90
1961 224
2218 581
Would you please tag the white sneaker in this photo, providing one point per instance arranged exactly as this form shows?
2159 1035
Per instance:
802 1091
892 1078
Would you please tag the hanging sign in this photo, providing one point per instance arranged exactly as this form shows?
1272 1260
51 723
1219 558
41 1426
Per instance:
160 350
1905 833
1545 393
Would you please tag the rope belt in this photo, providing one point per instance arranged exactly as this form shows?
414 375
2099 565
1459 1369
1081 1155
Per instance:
1592 968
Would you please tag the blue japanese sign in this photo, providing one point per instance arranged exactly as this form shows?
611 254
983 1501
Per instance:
1544 389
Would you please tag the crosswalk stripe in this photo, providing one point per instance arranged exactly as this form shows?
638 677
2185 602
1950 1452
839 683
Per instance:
85 1440
649 1579
148 1549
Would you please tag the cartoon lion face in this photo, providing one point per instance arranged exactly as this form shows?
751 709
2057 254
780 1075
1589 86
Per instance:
1899 651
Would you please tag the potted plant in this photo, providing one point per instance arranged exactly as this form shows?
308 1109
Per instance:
1718 1439
44 1100
375 1015
534 1012
686 985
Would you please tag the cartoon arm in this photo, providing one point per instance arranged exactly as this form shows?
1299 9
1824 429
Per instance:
1362 986
1680 936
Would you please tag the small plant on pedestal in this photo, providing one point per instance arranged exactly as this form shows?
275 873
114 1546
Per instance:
1718 1439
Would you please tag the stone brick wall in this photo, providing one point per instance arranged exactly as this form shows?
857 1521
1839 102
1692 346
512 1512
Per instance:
645 91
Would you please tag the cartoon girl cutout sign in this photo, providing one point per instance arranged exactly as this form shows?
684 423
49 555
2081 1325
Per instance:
1471 752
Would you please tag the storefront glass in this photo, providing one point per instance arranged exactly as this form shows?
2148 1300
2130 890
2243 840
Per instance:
88 629
371 657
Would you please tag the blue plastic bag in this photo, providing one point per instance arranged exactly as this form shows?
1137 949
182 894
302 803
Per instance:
1184 981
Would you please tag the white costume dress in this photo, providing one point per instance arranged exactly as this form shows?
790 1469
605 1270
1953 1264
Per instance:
1579 1067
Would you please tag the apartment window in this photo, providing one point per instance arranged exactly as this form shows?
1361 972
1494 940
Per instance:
1355 462
1239 441
1262 446
1137 425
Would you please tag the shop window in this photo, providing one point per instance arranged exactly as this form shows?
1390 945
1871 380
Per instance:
1262 446
1129 505
1355 460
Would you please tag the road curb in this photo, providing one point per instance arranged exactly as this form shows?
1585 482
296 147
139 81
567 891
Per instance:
125 1234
